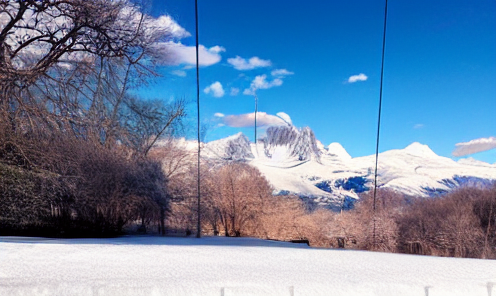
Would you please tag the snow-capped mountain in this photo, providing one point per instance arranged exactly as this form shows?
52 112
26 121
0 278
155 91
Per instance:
236 147
295 162
288 142
336 150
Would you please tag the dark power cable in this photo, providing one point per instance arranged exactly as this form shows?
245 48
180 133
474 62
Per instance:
379 119
256 111
198 226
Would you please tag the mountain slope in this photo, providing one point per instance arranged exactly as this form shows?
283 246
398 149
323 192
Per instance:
295 162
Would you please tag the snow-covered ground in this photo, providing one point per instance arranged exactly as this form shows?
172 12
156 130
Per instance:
227 266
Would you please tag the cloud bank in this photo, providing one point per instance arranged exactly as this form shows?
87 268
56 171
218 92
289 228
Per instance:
175 53
474 146
263 119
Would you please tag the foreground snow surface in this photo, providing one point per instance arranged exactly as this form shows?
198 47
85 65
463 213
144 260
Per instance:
226 266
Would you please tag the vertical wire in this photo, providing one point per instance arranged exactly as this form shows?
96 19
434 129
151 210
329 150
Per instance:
379 120
198 226
256 111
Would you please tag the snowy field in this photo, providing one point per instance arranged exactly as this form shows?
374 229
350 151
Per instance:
226 266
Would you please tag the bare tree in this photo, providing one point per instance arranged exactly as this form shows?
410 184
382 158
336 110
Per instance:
68 65
177 163
232 193
39 34
359 222
485 210
445 226
66 68
238 201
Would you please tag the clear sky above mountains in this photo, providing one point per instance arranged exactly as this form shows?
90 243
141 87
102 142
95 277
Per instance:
317 64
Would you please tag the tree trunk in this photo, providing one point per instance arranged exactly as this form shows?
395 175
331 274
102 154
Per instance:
162 220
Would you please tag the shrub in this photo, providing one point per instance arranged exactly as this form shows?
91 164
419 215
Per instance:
444 226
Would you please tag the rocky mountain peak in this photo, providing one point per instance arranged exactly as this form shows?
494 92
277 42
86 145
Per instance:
235 147
299 143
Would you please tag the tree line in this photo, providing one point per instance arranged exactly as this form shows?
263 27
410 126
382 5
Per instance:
237 200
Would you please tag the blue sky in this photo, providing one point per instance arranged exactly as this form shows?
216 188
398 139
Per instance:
439 76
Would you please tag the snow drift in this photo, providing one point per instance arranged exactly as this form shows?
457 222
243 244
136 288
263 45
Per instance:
227 266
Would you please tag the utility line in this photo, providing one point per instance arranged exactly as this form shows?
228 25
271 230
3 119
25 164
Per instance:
379 120
198 226
256 111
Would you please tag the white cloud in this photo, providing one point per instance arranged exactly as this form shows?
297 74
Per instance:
285 117
475 146
216 89
172 53
234 91
248 120
242 64
276 82
260 82
418 126
166 22
179 73
219 114
281 72
217 49
359 77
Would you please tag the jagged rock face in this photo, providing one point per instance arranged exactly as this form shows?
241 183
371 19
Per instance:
295 162
458 182
300 143
239 148
236 147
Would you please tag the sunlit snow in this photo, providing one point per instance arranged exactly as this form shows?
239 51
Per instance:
227 266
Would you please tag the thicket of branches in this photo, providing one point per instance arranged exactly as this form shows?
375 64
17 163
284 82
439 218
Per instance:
458 224
237 201
461 224
74 143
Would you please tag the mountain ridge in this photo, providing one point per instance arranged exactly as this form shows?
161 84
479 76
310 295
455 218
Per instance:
295 162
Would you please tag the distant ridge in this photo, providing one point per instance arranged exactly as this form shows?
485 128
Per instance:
295 162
